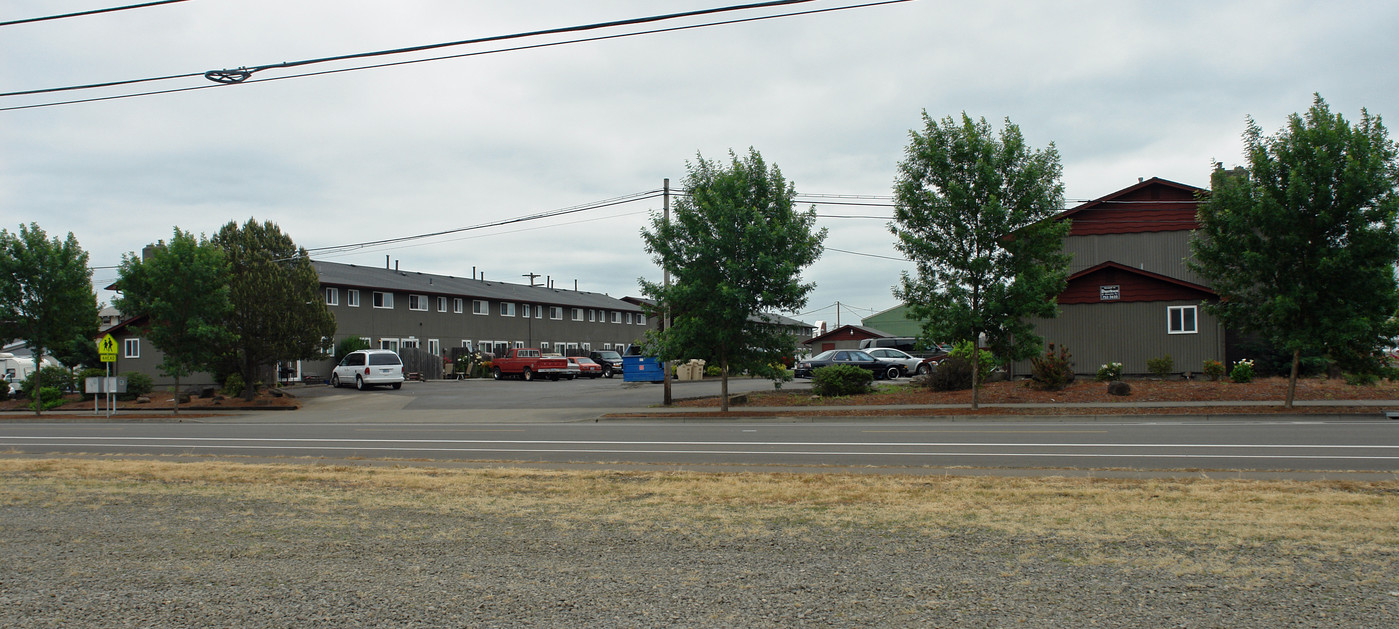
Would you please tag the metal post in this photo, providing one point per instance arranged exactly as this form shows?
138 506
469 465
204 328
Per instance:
665 369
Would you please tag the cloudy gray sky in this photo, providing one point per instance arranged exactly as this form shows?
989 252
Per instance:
1124 89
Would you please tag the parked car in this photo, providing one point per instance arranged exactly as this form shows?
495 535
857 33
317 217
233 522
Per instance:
586 367
528 363
367 368
880 368
907 364
611 361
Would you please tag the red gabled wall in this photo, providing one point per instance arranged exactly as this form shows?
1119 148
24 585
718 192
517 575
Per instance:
1154 205
1086 289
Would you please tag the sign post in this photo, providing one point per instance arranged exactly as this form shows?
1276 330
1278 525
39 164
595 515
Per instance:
107 351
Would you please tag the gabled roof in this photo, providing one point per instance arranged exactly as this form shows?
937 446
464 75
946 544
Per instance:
850 331
1136 285
1148 206
375 278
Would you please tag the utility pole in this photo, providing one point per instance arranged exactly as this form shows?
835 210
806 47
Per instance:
531 277
837 314
665 272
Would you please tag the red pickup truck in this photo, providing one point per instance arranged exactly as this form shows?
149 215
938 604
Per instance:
528 364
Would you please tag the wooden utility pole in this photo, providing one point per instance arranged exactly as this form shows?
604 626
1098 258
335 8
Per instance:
665 272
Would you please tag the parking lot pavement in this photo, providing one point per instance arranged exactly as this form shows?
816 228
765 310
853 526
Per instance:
505 400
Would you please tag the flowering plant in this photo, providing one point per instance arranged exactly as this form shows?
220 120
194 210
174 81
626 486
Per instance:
1110 371
1214 370
1242 371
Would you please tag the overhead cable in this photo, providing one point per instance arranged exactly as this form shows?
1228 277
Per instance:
394 63
86 13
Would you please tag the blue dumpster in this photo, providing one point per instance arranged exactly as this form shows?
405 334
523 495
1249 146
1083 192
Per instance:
641 369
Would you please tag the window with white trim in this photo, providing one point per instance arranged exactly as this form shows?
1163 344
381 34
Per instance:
434 346
577 314
507 309
556 313
519 344
544 346
352 298
456 305
483 346
587 347
539 312
1181 320
132 348
616 317
383 300
417 302
640 319
606 347
332 296
524 310
389 344
592 315
628 318
480 306
442 304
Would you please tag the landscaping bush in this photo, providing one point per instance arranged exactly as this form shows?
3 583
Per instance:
137 385
233 386
1242 371
4 389
1052 371
1362 379
954 373
987 360
49 397
1162 366
1214 370
344 347
1110 371
837 380
57 377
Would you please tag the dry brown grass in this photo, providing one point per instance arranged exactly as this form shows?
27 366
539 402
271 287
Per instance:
1312 520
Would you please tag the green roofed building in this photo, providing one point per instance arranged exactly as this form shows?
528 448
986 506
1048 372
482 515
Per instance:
894 321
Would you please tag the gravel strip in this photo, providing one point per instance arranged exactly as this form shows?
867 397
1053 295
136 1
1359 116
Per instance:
191 561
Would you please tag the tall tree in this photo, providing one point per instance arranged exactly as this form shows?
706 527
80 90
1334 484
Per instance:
182 290
735 246
972 211
279 312
46 295
1301 246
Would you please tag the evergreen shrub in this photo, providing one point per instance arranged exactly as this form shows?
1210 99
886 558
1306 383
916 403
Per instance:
837 380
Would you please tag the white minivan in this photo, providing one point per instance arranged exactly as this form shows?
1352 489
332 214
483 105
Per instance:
369 367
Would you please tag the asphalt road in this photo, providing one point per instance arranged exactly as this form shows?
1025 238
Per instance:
1370 446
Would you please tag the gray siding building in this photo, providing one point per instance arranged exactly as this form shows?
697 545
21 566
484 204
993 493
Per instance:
395 309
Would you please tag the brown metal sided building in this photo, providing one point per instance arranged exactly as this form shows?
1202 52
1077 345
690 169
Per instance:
1130 295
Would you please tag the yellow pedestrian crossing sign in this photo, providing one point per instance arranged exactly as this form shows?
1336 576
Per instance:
107 349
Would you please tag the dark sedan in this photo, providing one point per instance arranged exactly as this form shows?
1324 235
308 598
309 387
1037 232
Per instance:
880 368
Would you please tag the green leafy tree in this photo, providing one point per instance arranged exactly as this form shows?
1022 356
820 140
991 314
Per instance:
972 211
46 296
182 290
735 246
1301 246
279 313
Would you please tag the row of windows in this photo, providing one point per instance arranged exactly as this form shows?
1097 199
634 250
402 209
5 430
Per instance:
482 307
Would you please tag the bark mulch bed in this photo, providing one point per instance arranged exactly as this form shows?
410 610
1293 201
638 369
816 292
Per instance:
161 403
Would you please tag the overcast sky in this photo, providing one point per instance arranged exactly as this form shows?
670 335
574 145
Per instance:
1124 90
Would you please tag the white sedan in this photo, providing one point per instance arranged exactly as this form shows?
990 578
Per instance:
908 364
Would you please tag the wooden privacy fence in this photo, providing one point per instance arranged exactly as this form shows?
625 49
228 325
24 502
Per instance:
420 361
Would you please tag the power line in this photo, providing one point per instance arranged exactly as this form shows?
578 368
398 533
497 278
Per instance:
86 13
396 63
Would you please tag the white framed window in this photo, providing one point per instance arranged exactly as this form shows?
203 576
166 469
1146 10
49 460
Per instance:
383 300
132 348
434 346
519 344
628 318
332 296
1181 320
480 306
592 315
389 344
572 347
543 346
577 314
507 309
456 305
352 298
484 346
539 312
640 319
442 304
556 313
606 347
417 302
466 344
587 347
524 310
409 343
367 341
616 317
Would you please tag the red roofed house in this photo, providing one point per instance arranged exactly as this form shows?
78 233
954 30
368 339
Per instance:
1130 295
